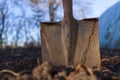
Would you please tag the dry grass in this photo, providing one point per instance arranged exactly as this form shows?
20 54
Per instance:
46 71
21 65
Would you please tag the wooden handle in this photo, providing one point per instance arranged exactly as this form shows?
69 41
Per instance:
68 12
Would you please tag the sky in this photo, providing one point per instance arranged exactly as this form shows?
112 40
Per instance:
93 10
99 6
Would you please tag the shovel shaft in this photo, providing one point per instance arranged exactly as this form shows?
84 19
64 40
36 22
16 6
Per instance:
68 11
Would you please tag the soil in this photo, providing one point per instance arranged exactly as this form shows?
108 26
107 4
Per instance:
25 63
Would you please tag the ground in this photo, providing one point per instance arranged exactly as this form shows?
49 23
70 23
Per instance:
24 60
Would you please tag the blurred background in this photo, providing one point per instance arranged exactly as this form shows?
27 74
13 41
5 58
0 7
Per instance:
20 19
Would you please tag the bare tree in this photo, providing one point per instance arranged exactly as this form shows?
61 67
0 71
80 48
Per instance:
14 27
35 1
53 5
2 16
2 28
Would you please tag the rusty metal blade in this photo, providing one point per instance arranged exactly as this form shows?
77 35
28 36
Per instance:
66 43
87 49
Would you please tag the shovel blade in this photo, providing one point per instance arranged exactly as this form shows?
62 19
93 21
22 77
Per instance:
79 43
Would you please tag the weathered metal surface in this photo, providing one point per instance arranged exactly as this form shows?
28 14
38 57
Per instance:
87 48
52 44
71 42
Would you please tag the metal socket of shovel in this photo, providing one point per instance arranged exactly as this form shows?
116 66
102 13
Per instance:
70 42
